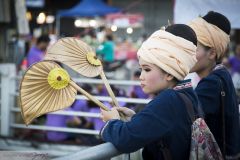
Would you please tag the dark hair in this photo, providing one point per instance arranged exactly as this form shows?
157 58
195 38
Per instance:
183 31
109 37
92 33
137 73
218 20
43 38
87 87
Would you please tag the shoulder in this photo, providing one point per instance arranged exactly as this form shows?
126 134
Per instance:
211 79
164 99
217 75
210 86
166 94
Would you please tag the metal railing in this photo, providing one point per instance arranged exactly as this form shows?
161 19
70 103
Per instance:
100 152
75 113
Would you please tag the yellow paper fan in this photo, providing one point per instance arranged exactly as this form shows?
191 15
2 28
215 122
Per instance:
46 87
80 57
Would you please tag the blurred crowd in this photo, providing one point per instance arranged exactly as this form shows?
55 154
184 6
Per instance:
115 53
118 55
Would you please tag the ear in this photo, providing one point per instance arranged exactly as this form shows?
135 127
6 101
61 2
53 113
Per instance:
212 54
169 77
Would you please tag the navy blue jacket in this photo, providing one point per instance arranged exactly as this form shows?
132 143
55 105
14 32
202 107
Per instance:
165 117
208 91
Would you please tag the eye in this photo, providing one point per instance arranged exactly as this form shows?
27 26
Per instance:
147 69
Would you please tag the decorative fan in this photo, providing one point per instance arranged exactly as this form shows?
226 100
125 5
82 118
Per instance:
80 57
46 87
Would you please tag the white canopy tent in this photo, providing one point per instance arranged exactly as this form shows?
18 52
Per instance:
186 10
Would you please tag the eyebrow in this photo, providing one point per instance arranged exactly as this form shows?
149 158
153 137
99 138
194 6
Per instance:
145 65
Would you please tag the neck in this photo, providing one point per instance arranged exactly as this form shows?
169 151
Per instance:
172 84
205 72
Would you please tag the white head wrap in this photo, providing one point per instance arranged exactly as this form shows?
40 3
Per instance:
175 55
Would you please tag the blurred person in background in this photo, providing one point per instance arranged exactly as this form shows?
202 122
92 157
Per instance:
55 120
126 50
234 64
106 50
37 51
234 61
93 108
89 36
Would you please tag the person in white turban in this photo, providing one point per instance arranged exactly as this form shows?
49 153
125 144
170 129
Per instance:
215 89
165 58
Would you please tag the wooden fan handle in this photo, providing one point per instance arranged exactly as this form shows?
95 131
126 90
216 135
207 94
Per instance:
109 89
110 92
89 96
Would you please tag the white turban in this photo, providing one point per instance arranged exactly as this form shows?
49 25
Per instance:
175 55
210 35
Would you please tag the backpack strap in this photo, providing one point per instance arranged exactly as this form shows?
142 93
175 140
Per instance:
164 149
189 106
223 94
161 145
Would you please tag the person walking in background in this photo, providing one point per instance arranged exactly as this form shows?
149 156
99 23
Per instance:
37 51
221 110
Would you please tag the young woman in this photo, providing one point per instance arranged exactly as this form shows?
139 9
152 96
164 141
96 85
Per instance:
212 32
165 58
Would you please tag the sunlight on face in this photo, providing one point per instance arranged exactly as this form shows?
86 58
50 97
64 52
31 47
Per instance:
152 78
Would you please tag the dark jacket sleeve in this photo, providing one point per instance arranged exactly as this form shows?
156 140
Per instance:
153 122
208 91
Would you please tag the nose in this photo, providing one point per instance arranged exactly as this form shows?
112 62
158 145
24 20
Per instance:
141 76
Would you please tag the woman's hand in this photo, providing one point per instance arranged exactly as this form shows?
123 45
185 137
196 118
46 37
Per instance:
128 113
108 115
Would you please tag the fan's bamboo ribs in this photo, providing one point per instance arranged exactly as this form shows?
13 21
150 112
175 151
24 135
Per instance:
89 96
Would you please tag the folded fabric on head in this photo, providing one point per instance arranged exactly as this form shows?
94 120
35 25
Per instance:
173 54
210 35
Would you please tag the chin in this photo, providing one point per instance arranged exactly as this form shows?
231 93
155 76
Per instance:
194 69
145 91
149 92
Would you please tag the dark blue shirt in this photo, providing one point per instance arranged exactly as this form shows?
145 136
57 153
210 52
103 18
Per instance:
164 118
208 91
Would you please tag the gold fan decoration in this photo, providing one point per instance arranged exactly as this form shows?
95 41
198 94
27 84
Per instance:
80 57
46 87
